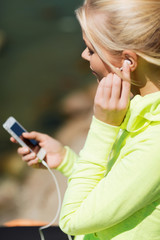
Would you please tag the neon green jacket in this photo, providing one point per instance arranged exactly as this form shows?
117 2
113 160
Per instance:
114 185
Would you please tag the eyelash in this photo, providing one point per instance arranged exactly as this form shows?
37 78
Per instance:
90 51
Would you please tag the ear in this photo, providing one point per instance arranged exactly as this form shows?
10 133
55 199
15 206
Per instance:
132 57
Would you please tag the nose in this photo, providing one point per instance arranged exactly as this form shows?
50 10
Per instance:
85 55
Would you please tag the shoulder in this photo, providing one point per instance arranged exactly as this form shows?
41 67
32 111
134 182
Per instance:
150 133
145 143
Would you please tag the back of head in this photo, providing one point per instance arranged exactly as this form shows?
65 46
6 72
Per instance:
117 25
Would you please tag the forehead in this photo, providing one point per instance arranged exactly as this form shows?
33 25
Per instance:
84 37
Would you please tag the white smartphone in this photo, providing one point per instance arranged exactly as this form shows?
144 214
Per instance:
15 129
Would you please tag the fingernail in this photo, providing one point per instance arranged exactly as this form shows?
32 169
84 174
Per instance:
33 154
25 151
126 63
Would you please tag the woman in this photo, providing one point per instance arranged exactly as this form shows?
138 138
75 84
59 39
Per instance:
114 184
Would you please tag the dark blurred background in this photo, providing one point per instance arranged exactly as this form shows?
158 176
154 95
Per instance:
40 66
40 47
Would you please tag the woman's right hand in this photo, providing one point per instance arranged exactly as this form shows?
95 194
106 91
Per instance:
55 151
113 97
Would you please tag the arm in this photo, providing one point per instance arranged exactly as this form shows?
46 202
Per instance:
93 202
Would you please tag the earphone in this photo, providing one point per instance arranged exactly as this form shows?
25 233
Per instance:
128 61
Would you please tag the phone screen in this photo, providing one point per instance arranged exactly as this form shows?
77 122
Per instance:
18 130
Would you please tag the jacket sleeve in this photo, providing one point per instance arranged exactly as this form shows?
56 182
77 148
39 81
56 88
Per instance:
67 165
95 200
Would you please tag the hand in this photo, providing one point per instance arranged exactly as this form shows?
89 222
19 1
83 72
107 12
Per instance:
55 151
112 97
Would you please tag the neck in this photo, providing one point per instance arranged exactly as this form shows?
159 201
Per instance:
148 78
148 88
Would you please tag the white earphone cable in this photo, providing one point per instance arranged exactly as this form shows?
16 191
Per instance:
59 203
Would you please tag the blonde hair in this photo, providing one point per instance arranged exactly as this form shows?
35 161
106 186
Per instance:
126 24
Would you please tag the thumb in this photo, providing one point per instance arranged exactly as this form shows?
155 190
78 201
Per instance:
33 135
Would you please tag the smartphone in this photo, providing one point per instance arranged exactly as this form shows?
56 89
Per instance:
15 129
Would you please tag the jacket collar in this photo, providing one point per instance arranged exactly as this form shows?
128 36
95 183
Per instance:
142 111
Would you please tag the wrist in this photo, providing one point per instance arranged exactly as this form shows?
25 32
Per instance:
62 154
69 159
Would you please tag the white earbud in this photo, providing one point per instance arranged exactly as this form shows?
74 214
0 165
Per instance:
128 61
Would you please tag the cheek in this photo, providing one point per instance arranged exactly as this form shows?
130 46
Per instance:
99 67
103 70
107 68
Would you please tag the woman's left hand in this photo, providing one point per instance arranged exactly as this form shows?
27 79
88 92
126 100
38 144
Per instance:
113 97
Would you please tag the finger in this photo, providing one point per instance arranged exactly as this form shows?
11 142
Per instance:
33 162
116 88
23 150
34 135
104 89
13 140
29 157
126 71
36 149
107 87
99 90
126 84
